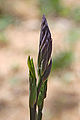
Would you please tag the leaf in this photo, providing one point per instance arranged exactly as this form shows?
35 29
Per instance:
42 94
31 68
33 95
29 63
32 83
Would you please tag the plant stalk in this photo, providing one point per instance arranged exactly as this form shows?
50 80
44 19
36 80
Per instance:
33 112
40 112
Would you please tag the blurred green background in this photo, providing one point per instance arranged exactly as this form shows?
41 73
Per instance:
20 22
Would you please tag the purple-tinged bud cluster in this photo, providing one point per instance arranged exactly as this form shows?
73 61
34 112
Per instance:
45 49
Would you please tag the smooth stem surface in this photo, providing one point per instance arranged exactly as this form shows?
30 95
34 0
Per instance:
33 113
38 89
39 117
33 109
40 112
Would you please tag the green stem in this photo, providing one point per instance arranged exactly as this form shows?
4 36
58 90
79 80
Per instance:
33 113
40 107
40 112
38 89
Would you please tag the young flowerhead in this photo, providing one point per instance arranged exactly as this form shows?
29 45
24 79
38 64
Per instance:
45 50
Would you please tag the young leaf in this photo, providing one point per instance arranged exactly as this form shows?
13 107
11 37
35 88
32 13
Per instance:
33 95
42 94
32 83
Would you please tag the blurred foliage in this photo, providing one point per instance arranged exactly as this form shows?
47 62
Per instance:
57 8
65 58
76 14
3 40
65 12
73 36
50 6
54 7
5 21
62 60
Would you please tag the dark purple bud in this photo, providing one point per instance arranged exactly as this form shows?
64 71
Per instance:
49 49
44 31
47 71
46 55
43 39
45 47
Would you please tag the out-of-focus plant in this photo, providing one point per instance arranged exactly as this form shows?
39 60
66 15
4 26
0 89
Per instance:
76 14
72 37
54 7
50 6
3 40
65 12
57 8
38 92
5 21
62 60
65 58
